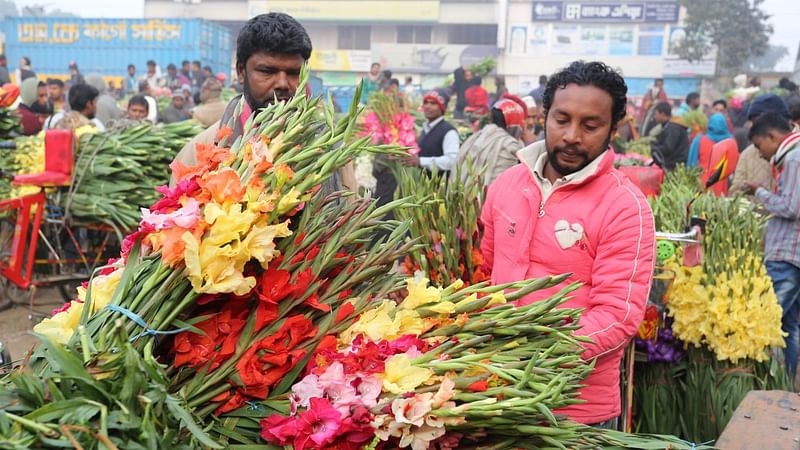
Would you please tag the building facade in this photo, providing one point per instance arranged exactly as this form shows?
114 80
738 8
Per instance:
428 39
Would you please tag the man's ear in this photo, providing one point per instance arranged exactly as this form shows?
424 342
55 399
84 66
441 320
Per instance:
240 68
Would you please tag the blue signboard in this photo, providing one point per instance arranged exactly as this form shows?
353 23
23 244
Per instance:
548 11
664 12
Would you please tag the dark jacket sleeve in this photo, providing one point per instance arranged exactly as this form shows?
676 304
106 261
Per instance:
673 145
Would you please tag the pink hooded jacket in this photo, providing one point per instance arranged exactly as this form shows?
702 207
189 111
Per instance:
599 227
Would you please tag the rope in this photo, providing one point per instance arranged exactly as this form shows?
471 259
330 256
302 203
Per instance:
139 321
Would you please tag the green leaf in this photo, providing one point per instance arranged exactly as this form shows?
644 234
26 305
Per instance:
180 413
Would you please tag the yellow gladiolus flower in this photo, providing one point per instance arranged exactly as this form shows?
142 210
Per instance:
497 299
103 287
260 241
235 236
406 322
419 293
61 326
212 270
445 308
400 376
375 323
289 201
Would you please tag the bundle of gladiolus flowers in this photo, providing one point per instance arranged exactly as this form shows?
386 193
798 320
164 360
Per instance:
385 122
254 308
445 224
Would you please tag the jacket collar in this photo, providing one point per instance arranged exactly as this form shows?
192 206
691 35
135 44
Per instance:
534 155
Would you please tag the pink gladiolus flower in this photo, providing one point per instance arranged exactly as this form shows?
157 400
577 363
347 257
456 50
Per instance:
412 410
338 388
370 389
445 393
185 217
320 423
305 390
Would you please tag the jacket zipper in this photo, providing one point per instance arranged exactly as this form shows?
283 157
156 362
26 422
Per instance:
544 199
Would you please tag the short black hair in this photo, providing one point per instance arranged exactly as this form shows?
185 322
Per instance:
27 60
55 82
139 100
768 122
185 62
497 118
593 73
171 66
542 79
375 64
197 63
664 108
658 79
794 108
787 84
208 68
409 79
131 66
692 96
151 63
80 95
720 102
272 33
394 81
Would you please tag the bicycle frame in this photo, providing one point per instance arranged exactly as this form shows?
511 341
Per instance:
19 267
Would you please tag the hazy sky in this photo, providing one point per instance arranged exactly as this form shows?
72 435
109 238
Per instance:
785 17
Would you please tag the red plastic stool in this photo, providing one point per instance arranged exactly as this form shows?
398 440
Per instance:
58 162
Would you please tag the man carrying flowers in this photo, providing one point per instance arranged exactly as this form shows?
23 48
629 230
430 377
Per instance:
270 51
565 209
772 136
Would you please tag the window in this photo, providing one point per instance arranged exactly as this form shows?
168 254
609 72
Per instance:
413 34
353 37
472 34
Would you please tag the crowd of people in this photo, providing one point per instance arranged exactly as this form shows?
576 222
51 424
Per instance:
78 99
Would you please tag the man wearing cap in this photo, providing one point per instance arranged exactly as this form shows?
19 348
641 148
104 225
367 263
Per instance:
438 143
751 168
212 107
176 111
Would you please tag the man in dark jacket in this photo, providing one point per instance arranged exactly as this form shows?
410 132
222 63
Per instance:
671 146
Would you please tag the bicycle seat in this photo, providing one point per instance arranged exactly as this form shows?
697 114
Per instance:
58 162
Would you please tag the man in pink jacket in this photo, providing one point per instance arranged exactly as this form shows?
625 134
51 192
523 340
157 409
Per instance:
566 209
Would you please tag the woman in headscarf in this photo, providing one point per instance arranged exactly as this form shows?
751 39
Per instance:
716 153
34 107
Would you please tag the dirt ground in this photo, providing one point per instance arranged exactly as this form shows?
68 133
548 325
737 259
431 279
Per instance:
17 322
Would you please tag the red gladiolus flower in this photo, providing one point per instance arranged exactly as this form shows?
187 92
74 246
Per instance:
268 360
478 386
232 401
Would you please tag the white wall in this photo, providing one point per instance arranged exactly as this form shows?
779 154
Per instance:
468 12
323 36
211 10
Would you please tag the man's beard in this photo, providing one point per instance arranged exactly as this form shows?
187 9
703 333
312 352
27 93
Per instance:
256 104
552 153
